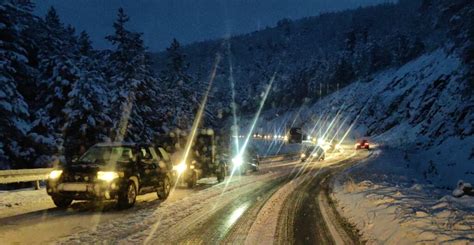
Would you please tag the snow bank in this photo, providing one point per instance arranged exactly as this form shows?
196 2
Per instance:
393 204
18 201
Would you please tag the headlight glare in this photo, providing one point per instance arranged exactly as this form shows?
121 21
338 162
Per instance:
180 168
237 160
55 174
107 175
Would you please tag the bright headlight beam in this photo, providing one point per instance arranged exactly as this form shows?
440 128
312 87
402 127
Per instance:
257 115
55 174
180 168
237 160
338 129
234 105
235 215
251 131
197 119
196 122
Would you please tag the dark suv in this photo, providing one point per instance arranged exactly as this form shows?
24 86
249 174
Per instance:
112 171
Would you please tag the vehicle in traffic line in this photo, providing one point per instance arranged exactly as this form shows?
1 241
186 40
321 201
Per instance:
248 161
109 171
202 160
362 144
295 135
312 153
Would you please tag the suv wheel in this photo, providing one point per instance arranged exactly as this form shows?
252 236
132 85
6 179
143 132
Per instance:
164 190
127 196
61 202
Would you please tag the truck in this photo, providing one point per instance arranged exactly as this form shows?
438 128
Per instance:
202 160
295 135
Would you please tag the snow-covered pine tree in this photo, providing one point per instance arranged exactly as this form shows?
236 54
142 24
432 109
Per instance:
86 113
150 100
401 50
343 73
85 44
87 120
130 76
350 41
178 84
378 57
14 119
58 58
416 48
469 50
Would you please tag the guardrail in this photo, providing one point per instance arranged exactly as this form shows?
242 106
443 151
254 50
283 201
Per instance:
24 175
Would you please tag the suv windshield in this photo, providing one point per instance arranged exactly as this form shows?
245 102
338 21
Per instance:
107 154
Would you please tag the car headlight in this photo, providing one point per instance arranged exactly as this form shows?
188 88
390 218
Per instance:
237 160
180 168
107 175
55 174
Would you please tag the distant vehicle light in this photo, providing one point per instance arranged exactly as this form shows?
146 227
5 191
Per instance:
303 155
55 174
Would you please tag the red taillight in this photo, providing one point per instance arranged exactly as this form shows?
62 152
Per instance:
366 144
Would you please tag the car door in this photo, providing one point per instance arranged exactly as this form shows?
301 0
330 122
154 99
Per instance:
148 167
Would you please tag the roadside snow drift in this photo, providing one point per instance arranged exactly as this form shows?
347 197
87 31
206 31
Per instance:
421 117
392 204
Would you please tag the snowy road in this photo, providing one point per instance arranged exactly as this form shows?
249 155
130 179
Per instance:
285 202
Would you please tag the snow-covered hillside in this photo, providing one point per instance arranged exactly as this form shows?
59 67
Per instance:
421 117
424 108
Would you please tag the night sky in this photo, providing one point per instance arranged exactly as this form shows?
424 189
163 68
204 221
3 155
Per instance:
186 20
